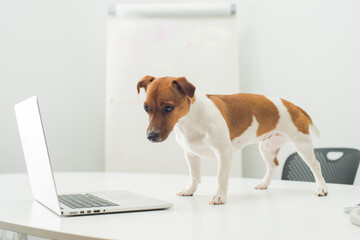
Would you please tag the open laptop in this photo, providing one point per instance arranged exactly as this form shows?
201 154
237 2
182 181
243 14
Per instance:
42 180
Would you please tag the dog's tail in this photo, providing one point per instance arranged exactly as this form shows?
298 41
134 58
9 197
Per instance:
312 126
314 130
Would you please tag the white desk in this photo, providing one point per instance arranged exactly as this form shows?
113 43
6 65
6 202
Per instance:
287 210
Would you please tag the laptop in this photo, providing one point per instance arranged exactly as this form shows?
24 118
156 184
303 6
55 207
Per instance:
42 180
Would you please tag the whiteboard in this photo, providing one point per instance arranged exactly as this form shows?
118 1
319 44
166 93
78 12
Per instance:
203 49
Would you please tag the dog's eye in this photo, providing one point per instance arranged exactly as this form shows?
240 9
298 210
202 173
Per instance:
146 108
168 109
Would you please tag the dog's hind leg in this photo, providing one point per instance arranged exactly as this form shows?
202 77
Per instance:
303 145
269 149
194 164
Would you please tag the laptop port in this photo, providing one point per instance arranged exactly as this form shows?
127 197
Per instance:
88 211
81 211
96 211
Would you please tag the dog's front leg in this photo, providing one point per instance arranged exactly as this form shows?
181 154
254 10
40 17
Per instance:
224 158
194 164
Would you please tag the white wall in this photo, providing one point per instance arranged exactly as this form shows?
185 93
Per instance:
304 51
55 50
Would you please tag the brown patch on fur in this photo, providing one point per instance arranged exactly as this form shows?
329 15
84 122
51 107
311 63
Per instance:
162 92
275 159
238 111
307 115
299 117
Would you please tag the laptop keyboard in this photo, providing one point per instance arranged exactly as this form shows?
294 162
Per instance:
84 201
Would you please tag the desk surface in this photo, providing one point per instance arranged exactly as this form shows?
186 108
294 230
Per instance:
287 210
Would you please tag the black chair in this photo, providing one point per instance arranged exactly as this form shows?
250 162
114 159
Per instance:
340 170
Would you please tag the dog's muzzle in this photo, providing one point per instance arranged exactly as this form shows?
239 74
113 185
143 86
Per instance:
153 137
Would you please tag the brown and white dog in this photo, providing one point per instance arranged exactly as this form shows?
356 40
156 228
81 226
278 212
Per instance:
214 126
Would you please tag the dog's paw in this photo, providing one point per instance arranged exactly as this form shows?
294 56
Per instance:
321 190
262 185
217 199
187 192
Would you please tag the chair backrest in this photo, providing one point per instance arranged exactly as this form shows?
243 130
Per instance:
341 170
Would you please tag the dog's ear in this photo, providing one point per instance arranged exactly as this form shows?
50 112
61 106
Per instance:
184 86
144 83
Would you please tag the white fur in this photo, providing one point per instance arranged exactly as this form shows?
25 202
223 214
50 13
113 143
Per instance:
203 133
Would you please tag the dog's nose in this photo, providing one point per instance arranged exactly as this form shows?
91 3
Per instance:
153 137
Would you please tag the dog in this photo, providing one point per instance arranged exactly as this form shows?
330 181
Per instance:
214 126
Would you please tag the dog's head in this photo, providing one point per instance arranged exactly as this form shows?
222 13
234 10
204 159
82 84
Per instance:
167 100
